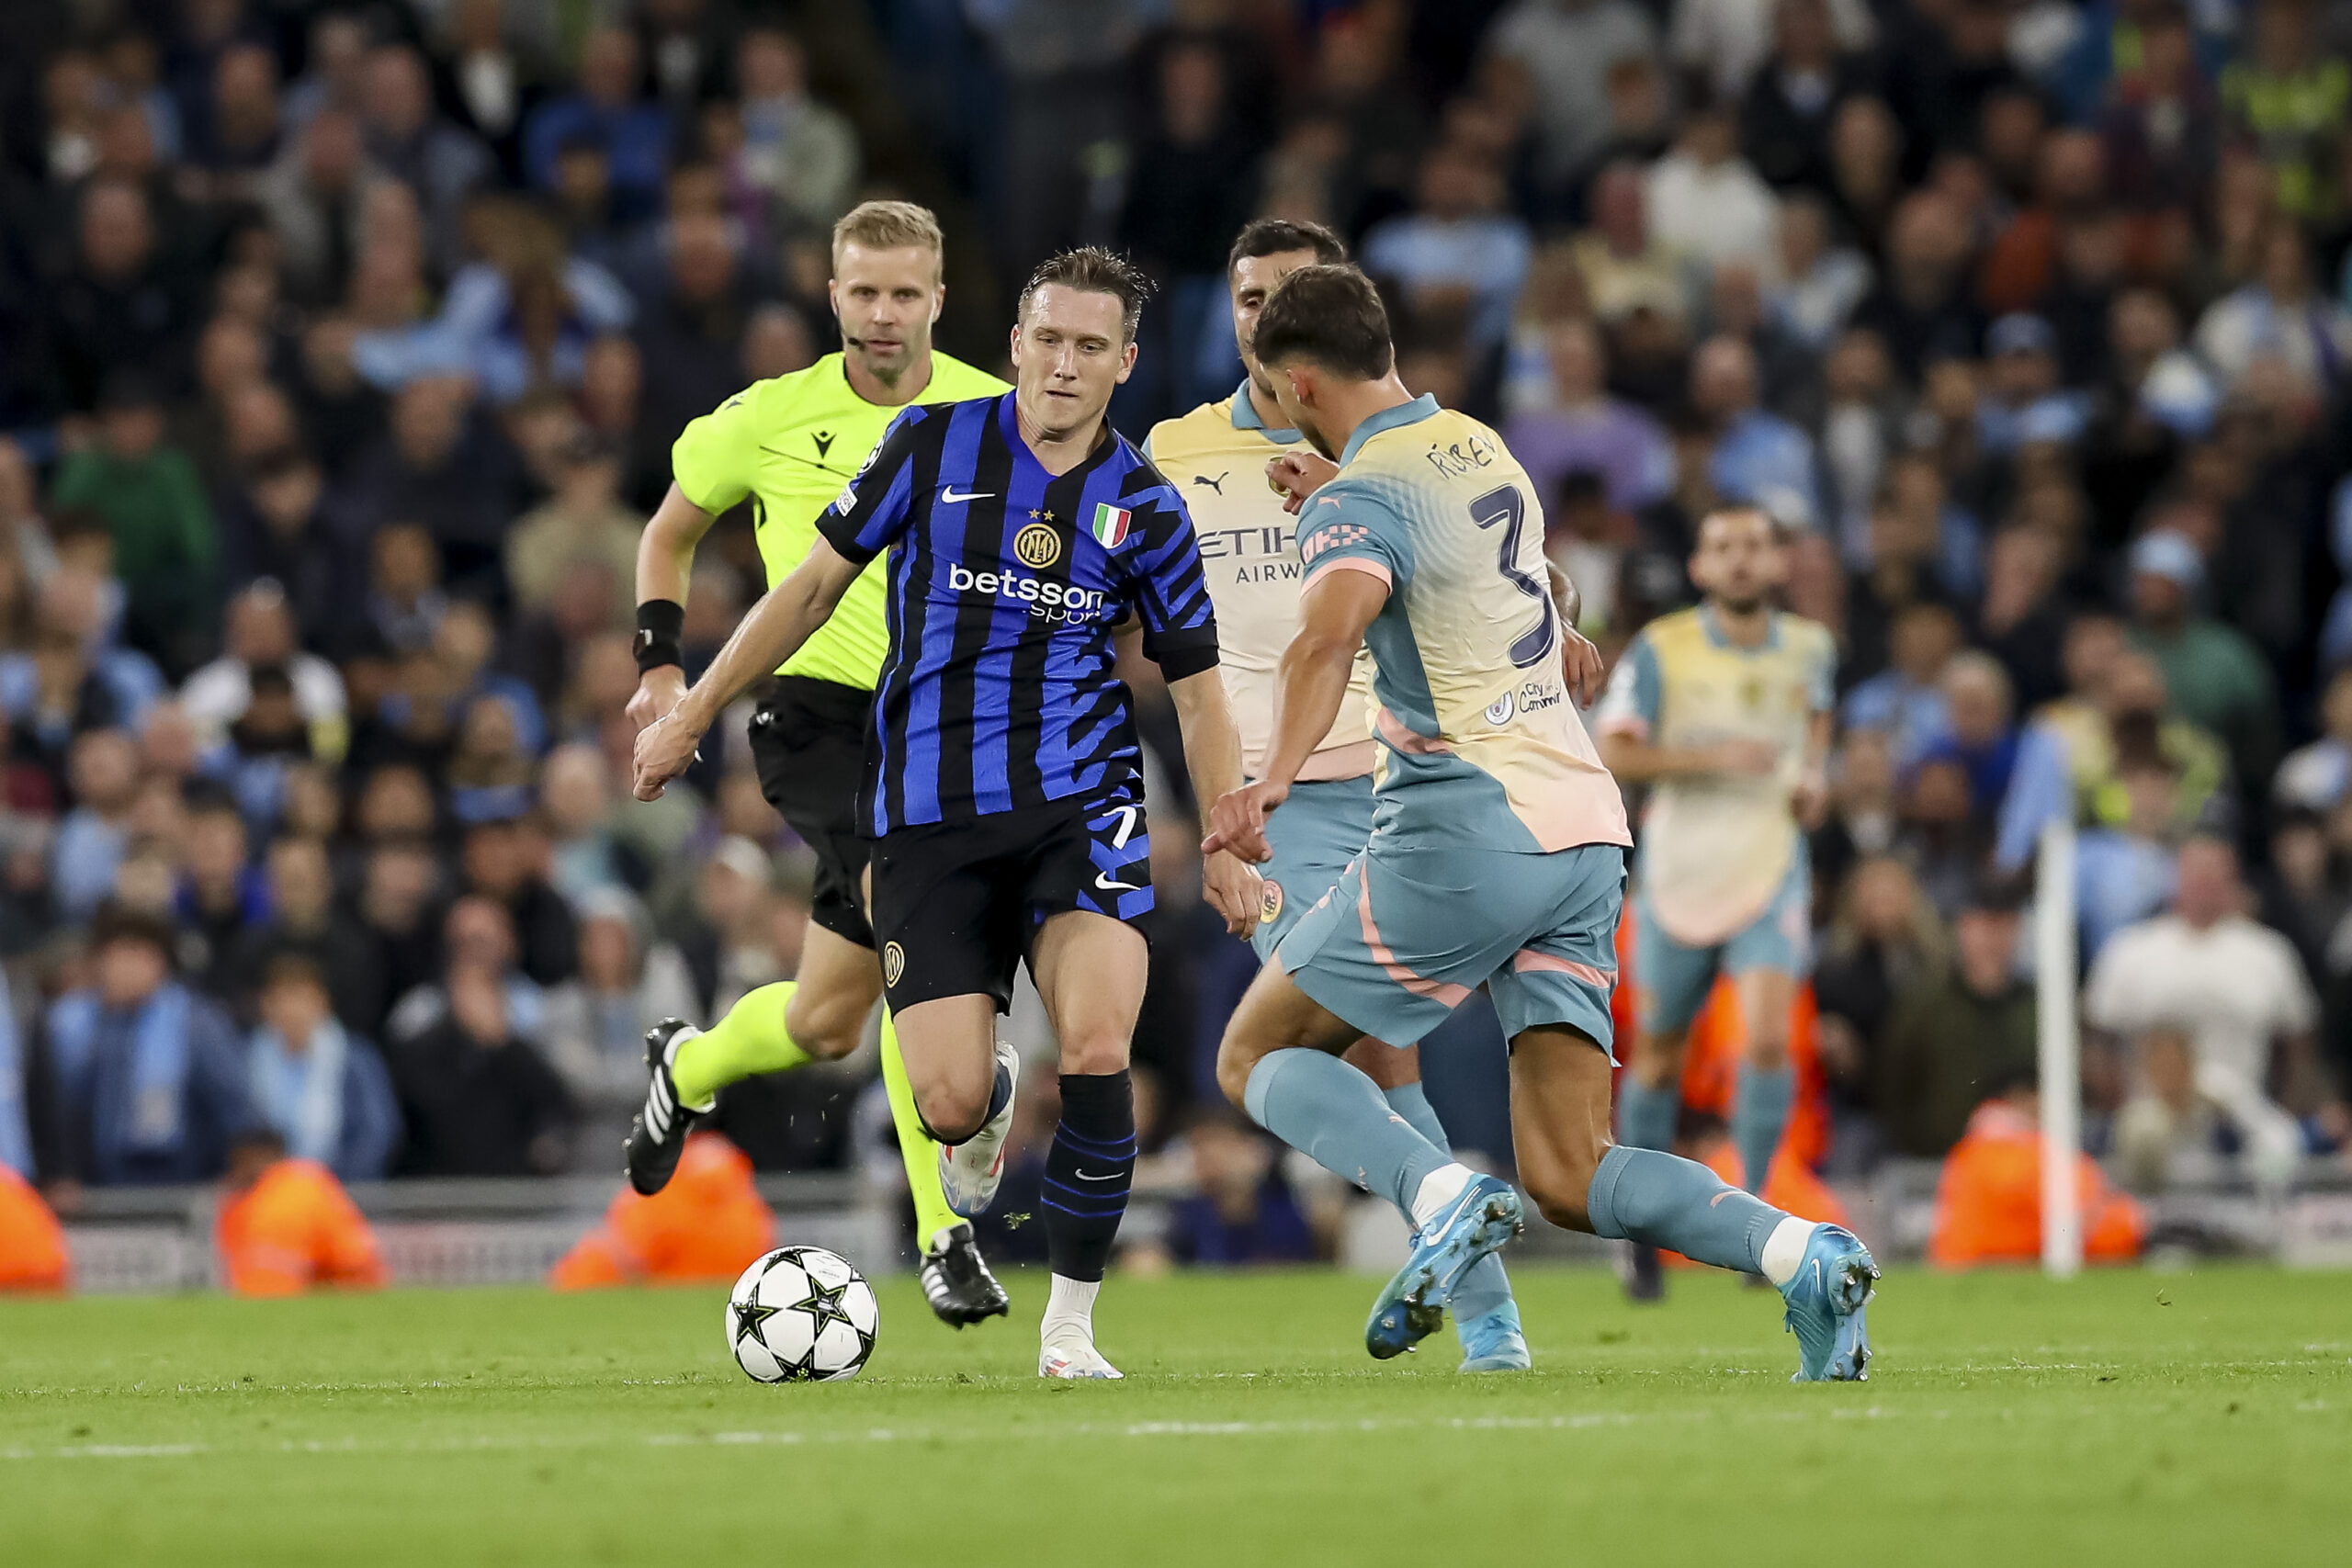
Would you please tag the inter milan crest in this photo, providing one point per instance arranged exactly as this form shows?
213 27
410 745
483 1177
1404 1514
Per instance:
1037 545
894 962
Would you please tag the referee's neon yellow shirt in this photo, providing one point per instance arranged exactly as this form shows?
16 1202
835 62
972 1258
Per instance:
791 444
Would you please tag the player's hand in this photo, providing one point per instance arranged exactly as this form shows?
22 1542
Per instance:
1810 800
1751 759
1237 822
1234 890
658 690
664 750
1581 663
1295 475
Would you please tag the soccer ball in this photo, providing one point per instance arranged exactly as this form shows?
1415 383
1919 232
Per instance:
801 1314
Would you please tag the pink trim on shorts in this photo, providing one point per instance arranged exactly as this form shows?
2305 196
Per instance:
1527 961
1442 991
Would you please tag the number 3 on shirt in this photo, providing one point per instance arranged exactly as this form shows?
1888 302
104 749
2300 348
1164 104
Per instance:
1505 506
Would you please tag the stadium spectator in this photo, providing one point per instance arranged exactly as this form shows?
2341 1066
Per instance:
1567 48
596 1021
33 1255
165 548
306 925
147 1078
708 1224
1758 457
803 155
1955 1033
323 1090
2317 776
1706 204
1904 702
583 520
2211 672
689 326
635 133
286 1225
1786 106
104 778
2238 991
263 632
476 1098
1241 1212
1582 427
1988 1201
488 79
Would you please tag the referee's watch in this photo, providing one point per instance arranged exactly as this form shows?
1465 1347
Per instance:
660 634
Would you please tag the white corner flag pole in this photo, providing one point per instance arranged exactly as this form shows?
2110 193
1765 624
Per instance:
2060 1061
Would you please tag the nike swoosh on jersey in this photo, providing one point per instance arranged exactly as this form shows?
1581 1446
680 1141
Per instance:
1102 880
948 497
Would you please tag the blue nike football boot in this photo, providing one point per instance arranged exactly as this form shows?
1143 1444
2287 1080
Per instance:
1411 1306
1834 1283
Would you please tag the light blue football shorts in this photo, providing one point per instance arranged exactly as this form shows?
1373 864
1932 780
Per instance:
1409 933
1313 835
1675 978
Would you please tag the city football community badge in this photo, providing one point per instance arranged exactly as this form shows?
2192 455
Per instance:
1269 902
1037 545
1111 524
894 962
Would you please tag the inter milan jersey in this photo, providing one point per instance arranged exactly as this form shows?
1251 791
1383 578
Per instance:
999 690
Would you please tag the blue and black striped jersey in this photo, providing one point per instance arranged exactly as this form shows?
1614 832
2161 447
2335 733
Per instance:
999 690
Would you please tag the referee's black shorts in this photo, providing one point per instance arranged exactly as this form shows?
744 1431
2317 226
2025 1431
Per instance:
808 745
958 903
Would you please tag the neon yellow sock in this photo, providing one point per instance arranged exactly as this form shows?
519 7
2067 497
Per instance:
921 1155
750 1039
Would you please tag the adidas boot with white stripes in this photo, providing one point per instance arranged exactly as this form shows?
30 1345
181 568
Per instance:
658 1134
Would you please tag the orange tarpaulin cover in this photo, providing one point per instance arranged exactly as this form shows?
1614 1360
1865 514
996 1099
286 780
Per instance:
1989 1204
32 1243
708 1224
294 1229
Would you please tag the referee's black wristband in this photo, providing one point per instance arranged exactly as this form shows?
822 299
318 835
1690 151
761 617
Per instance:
660 634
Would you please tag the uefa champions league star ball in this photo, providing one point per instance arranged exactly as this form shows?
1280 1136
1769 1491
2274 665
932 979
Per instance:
802 1314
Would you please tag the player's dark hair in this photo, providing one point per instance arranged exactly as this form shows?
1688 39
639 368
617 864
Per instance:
1329 316
1090 269
1280 236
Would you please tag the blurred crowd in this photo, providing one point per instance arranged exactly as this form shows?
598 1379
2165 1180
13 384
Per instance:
341 347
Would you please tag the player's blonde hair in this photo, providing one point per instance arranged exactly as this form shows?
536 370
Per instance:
889 226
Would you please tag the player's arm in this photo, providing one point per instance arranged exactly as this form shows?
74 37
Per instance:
665 564
1310 684
1581 663
868 517
786 617
1213 756
1810 799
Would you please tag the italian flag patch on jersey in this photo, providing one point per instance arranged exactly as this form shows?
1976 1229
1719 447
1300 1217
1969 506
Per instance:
1111 524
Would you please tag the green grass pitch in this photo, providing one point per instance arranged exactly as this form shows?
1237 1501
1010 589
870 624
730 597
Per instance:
2126 1417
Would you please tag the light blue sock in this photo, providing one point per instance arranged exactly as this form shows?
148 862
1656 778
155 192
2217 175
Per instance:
1486 1287
1646 1116
1661 1200
1334 1115
1760 1114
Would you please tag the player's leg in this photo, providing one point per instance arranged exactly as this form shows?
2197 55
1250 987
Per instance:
1766 1089
1319 830
1486 1314
1090 971
1765 962
1674 981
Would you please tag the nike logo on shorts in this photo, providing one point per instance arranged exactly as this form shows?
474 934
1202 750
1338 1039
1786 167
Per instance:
948 497
1102 880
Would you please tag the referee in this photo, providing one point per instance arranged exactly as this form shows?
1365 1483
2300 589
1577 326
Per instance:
791 444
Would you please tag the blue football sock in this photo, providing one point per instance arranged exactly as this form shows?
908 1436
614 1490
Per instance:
1486 1287
1760 1114
1334 1115
1646 1116
1661 1200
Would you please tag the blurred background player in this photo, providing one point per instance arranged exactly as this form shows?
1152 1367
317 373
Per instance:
790 444
1007 812
1499 859
1214 457
1724 711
